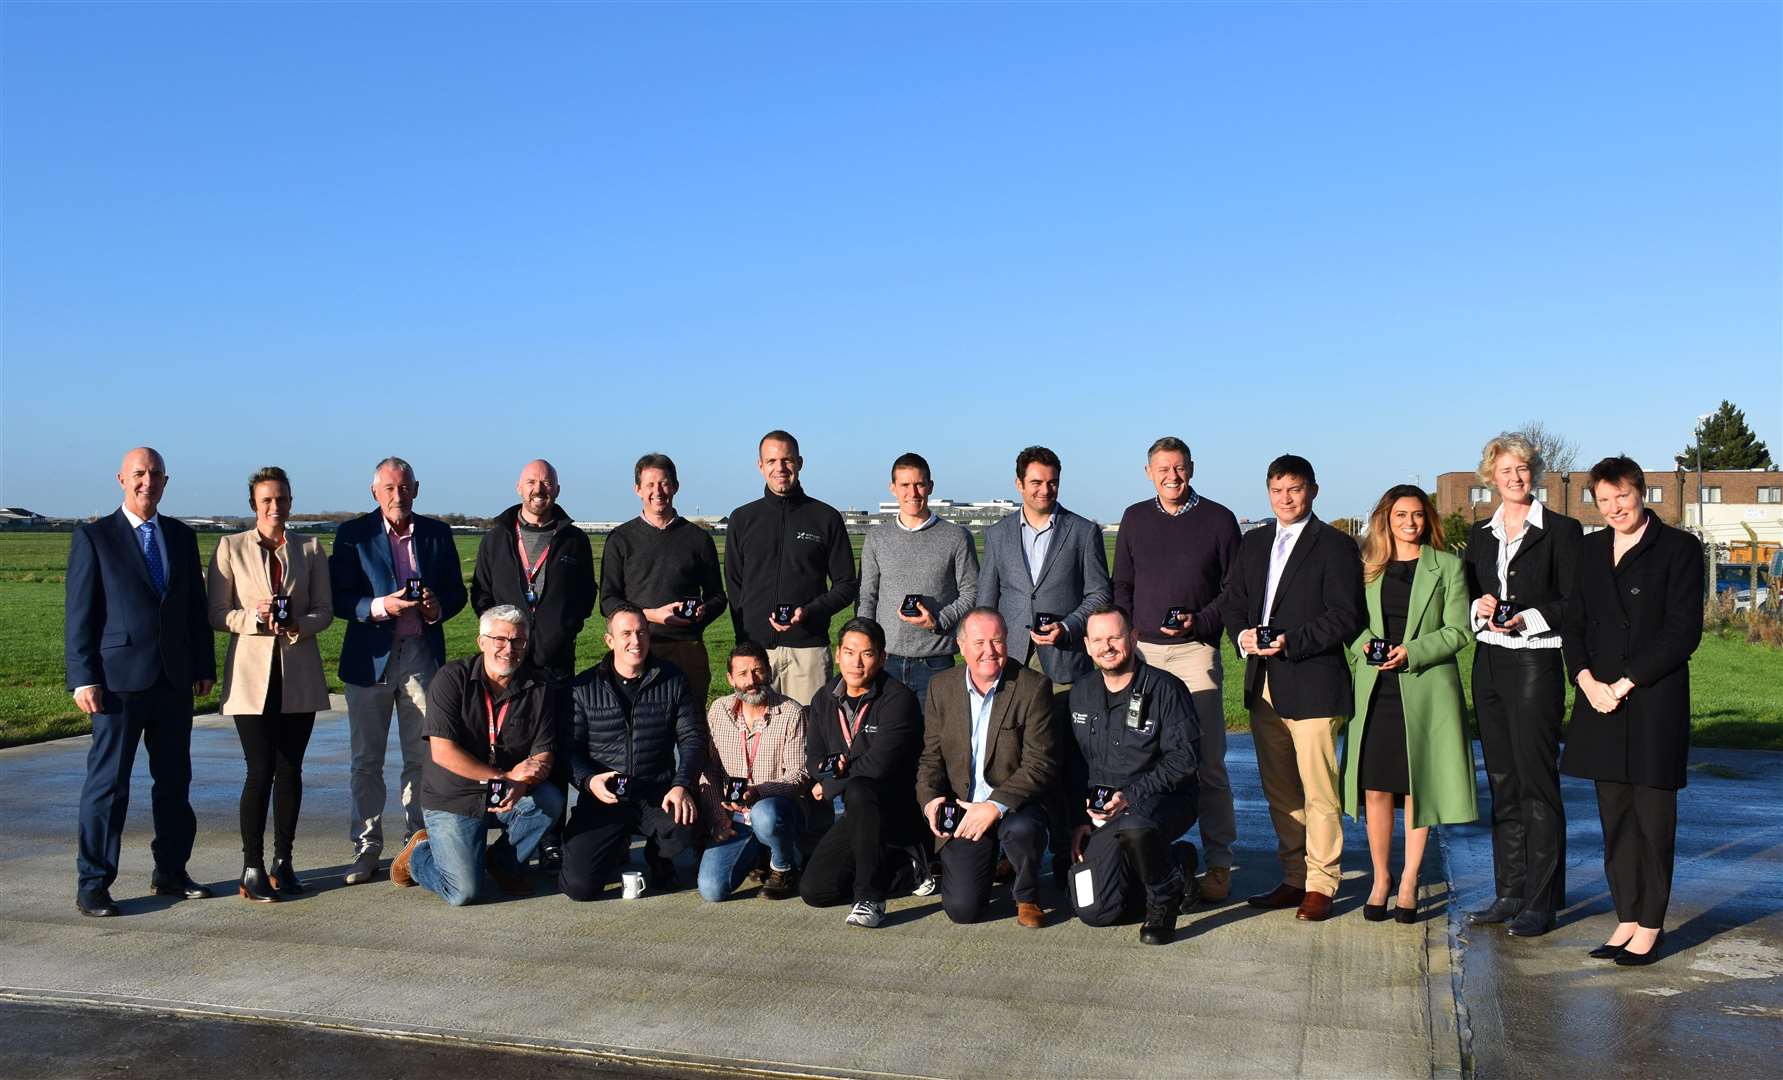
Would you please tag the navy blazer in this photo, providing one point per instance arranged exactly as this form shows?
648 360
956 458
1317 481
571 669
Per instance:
120 634
1073 582
361 569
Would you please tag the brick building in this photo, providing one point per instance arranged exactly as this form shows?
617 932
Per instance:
1732 500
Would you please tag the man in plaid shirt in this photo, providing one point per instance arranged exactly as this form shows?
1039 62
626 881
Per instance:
756 741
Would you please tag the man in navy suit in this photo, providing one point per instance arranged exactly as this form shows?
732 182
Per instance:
139 649
396 577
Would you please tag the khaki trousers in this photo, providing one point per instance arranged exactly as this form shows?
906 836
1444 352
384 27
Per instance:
1198 665
1297 760
800 673
691 657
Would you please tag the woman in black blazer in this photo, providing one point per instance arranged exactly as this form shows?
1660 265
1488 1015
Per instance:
1520 565
1636 618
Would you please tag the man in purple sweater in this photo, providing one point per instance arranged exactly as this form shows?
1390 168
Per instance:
1170 563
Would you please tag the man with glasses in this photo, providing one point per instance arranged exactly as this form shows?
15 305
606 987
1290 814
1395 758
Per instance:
491 731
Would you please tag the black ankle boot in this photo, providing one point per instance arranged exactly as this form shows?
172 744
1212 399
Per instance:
1160 923
255 887
284 878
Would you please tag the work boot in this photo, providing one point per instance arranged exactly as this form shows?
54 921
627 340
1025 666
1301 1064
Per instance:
1216 884
780 884
1160 923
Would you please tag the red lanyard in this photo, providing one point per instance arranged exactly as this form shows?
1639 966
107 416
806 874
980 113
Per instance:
495 720
533 570
749 755
849 733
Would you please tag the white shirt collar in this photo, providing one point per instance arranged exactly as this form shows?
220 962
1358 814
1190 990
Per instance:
898 520
1535 517
136 522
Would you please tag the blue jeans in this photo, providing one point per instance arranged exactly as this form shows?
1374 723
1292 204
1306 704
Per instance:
450 861
774 823
916 671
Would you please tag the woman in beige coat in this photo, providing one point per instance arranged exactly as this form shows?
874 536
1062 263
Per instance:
270 591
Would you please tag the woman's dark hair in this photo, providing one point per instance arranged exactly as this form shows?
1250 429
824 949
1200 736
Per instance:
265 474
1619 470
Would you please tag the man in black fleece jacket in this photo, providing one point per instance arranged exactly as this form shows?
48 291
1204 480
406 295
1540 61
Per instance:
787 554
554 584
632 717
872 722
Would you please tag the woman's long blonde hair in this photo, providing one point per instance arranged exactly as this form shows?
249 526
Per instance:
1377 546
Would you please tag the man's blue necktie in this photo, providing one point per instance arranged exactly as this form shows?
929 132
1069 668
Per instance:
151 553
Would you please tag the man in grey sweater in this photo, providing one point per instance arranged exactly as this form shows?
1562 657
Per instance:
924 571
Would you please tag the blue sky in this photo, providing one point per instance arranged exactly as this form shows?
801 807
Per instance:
1375 235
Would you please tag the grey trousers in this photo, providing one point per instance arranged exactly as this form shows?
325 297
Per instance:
404 689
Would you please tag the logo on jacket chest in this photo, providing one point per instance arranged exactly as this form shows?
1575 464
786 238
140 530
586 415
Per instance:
811 536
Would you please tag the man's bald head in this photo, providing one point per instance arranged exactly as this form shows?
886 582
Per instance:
143 476
537 488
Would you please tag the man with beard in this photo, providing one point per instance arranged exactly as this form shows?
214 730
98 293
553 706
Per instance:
756 738
491 730
535 559
1137 743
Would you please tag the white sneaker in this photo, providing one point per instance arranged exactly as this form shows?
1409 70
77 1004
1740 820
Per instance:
867 913
927 884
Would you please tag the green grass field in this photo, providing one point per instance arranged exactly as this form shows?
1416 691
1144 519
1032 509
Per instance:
1734 684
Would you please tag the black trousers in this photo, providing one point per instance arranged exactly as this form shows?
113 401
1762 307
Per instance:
968 865
1131 866
273 743
854 861
1640 832
160 718
1519 696
599 835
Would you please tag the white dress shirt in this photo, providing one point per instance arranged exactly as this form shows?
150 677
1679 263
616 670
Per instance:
1279 553
1537 634
981 705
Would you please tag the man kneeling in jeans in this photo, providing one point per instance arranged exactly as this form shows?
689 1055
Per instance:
863 733
757 741
491 729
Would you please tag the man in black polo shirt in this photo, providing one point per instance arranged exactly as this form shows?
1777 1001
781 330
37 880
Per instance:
863 735
491 729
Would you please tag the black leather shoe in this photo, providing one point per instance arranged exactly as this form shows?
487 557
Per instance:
1531 924
1605 952
1160 924
97 904
1374 912
255 887
550 858
284 878
183 887
1503 909
1630 959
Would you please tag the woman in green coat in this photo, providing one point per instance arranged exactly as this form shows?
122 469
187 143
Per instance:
1408 741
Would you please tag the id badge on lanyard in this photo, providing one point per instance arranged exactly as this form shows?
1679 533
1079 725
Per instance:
530 572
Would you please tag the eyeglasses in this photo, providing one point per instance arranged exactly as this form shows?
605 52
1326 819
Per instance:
516 642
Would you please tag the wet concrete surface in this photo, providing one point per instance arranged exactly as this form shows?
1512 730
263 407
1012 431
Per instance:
69 1041
672 982
1712 1006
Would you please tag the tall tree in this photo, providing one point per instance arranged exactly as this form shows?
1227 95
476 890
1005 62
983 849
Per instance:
1559 453
1727 443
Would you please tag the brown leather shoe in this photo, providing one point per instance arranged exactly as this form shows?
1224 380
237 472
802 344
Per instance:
1282 896
1029 915
399 867
1216 884
1316 907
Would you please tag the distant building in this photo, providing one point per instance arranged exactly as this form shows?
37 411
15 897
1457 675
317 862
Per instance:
19 517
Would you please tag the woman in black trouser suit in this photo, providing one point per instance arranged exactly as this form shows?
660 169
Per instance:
1636 618
1525 557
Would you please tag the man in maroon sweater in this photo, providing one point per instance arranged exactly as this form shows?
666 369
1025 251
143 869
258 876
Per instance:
1170 563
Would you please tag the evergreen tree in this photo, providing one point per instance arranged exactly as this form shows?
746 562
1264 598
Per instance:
1727 443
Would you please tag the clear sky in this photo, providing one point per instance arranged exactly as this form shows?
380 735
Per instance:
316 234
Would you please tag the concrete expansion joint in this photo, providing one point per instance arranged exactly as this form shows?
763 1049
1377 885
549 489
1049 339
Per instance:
1444 939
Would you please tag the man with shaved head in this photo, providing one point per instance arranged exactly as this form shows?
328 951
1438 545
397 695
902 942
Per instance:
535 559
139 650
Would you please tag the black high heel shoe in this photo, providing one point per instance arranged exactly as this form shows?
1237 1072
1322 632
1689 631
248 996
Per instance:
1375 912
284 878
1629 959
1406 915
255 887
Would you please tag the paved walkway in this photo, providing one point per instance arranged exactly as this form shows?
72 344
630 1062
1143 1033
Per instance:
669 981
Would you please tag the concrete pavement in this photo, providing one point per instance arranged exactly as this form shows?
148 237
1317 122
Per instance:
668 981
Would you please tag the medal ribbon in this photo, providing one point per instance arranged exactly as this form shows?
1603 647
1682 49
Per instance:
495 721
531 571
849 733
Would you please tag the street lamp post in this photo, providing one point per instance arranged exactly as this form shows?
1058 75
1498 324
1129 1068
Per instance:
1702 526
